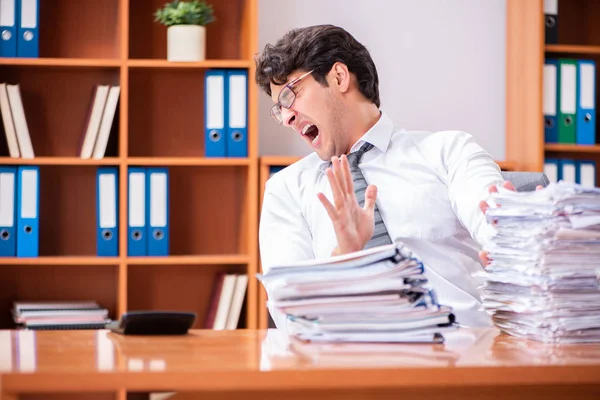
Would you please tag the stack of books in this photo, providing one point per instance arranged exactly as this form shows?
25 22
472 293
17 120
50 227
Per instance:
55 315
542 282
375 295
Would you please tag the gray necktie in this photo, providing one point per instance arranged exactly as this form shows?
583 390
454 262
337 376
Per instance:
380 234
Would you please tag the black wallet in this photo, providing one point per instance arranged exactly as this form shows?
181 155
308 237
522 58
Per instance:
153 323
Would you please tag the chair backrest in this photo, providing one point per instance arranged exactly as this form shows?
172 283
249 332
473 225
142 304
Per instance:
526 181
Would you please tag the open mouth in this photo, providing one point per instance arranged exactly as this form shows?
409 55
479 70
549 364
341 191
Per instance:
311 132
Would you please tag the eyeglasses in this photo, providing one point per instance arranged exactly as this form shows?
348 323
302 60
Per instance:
286 98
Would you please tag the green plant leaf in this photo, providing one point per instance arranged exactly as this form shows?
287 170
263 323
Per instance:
185 13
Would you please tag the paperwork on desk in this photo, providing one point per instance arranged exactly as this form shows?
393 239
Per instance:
54 315
375 295
543 280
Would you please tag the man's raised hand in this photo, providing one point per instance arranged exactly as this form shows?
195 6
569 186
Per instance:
352 223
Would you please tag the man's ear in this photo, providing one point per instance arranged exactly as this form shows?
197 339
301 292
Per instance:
340 76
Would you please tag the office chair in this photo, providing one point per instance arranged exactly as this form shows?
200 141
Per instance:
526 181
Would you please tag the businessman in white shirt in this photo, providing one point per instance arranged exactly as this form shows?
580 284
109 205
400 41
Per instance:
424 188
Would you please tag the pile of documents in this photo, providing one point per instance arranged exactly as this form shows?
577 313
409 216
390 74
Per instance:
542 282
375 295
54 315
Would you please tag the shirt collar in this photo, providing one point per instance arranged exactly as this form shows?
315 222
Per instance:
379 136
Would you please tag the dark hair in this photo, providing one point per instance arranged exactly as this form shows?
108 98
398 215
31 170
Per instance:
317 48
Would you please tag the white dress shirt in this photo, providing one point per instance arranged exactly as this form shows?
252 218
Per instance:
429 186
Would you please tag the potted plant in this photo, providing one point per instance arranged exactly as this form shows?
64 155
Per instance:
186 28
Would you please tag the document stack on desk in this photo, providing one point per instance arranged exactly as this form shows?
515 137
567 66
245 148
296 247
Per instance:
55 315
375 295
542 282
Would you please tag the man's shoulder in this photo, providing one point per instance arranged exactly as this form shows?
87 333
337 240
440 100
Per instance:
431 141
424 137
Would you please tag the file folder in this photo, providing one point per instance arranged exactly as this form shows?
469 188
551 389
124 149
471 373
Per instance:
136 225
107 211
552 170
28 32
158 211
28 211
8 28
586 173
585 125
568 100
215 113
237 115
550 100
8 193
551 21
568 171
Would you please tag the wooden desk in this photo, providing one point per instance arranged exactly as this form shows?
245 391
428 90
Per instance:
472 364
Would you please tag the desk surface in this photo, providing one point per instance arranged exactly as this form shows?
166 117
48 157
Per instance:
260 360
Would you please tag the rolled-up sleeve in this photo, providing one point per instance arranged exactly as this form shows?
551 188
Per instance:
470 171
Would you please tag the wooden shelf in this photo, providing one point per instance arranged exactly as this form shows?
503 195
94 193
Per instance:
278 160
190 260
572 49
159 121
188 161
526 52
58 161
149 63
58 282
62 62
572 148
60 260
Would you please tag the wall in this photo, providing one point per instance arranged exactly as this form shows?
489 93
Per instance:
441 63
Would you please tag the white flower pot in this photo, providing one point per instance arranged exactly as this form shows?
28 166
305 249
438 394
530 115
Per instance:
186 43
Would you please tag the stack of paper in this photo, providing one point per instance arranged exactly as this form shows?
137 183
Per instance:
375 295
54 315
542 282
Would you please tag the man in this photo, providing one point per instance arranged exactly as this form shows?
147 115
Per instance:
421 188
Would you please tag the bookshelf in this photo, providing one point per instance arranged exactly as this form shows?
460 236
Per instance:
159 122
526 50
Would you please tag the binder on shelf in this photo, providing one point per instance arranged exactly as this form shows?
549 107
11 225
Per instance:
20 121
551 21
9 125
226 296
586 173
567 93
237 302
585 125
8 28
237 115
107 206
550 100
28 42
552 169
215 113
106 122
93 120
8 194
136 225
28 211
226 301
157 187
568 171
